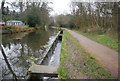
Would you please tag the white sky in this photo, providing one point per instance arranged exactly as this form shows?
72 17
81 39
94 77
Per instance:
60 6
63 6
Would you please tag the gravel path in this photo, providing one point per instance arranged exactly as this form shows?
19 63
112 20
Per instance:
107 57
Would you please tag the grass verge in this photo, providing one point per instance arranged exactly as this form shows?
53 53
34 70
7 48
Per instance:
63 71
103 39
83 62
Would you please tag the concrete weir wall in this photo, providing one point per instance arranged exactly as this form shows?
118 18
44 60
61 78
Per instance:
45 60
49 52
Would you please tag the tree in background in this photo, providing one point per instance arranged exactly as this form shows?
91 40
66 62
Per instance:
92 17
32 13
36 14
64 20
96 17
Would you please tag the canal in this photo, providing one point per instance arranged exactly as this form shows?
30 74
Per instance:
27 48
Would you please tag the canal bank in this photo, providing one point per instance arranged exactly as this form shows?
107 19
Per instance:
25 51
77 63
48 66
15 29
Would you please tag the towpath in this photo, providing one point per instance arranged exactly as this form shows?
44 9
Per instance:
107 57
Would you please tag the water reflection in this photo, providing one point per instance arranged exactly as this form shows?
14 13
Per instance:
23 49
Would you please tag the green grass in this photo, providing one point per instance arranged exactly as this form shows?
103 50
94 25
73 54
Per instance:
89 64
63 71
9 29
103 39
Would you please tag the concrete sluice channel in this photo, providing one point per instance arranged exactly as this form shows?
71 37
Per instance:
52 57
22 54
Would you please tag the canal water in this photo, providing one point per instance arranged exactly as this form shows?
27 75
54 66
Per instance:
24 49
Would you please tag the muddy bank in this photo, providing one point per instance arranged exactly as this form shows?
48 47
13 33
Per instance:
15 29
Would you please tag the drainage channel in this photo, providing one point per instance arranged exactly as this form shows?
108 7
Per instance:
47 70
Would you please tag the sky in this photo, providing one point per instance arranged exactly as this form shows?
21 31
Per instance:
60 7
